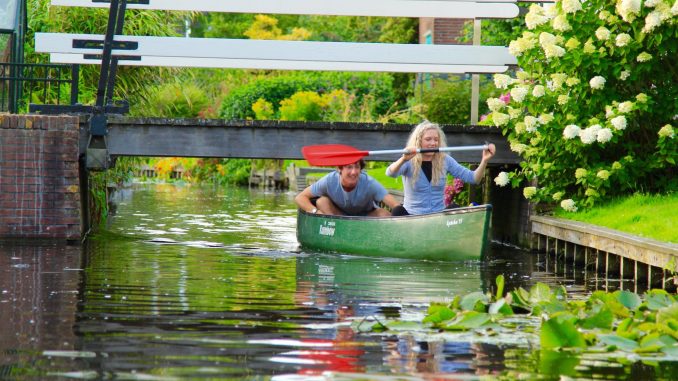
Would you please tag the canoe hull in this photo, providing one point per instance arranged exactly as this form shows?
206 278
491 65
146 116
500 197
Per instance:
450 235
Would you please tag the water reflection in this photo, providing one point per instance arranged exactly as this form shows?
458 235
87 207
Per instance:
39 293
190 282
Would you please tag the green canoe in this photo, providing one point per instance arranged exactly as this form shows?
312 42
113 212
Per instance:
450 235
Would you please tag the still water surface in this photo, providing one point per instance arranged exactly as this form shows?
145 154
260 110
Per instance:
206 283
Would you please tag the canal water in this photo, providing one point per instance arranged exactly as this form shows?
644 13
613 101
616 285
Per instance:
205 283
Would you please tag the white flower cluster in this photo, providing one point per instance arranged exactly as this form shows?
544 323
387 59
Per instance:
560 23
644 57
593 133
563 99
538 91
622 39
495 104
625 107
518 93
531 123
518 147
602 33
549 43
535 17
628 9
603 174
571 6
523 44
619 122
571 131
545 118
502 179
597 82
502 81
557 81
604 135
500 119
529 192
667 131
568 205
657 17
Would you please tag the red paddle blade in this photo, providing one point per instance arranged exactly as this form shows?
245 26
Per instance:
332 154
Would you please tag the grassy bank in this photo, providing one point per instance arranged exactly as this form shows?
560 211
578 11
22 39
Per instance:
649 216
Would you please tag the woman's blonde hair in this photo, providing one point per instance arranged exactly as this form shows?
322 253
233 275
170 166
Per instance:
438 161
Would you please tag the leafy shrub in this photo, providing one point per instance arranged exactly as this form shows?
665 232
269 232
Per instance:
175 100
304 105
449 102
263 110
238 103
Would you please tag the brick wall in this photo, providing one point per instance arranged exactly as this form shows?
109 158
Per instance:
443 31
39 181
447 31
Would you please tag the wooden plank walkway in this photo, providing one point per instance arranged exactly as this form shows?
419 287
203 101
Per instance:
605 249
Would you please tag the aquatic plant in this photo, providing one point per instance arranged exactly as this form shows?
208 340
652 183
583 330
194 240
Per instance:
605 322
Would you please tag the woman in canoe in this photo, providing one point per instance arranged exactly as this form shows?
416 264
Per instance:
425 174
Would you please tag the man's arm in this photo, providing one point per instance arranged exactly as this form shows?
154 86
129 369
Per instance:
303 200
390 201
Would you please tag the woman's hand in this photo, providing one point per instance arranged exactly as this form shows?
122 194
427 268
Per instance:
489 152
408 156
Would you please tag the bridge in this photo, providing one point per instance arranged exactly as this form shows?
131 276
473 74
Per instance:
274 139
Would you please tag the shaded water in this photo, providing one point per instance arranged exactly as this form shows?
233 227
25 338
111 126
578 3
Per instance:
200 283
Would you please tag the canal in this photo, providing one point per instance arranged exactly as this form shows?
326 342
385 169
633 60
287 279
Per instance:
188 282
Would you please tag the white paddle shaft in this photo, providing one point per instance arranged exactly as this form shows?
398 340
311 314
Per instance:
425 150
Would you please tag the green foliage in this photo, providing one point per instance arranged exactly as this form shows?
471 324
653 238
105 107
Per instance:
263 110
591 113
621 320
238 104
303 105
497 32
174 100
359 28
560 332
99 183
449 102
235 171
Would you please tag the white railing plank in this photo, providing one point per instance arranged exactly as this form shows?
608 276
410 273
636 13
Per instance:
287 65
389 8
215 48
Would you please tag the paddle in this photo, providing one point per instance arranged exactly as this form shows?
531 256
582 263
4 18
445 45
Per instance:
340 154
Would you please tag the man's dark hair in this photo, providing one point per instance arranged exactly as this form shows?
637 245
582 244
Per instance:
360 162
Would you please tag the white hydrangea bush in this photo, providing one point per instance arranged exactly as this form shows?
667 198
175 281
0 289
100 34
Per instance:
592 110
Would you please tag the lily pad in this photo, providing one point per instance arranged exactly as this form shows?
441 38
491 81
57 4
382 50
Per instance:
560 333
618 342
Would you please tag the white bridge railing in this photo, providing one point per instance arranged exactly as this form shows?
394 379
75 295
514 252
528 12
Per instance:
292 55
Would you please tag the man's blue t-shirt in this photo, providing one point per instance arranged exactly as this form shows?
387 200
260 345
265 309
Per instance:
358 202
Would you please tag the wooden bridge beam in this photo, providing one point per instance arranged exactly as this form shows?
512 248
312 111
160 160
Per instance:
274 139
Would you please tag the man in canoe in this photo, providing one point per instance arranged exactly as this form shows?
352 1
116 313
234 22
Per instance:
425 174
346 191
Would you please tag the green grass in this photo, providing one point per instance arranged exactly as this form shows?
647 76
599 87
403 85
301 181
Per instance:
649 216
388 182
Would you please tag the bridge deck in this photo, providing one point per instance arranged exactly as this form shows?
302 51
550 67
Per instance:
275 139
